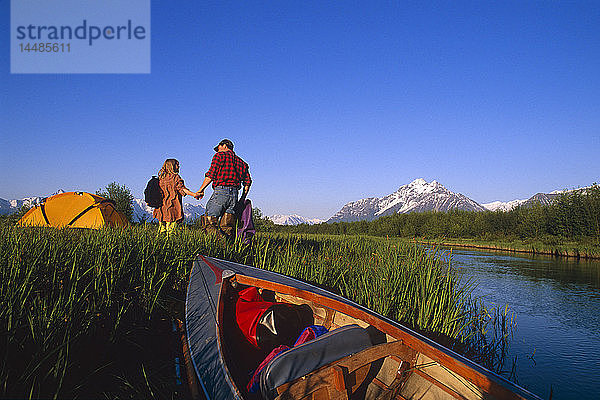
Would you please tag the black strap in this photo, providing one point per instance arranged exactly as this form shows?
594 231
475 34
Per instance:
89 208
42 206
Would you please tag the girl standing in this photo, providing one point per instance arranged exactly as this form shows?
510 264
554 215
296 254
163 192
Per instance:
173 189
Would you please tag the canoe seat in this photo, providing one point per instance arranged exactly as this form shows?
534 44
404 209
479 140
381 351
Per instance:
386 363
310 356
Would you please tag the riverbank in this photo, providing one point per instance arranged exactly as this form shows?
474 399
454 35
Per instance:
576 250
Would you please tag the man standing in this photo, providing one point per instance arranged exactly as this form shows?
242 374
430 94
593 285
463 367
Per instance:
227 173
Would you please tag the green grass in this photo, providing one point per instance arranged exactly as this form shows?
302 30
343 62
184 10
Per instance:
87 313
67 295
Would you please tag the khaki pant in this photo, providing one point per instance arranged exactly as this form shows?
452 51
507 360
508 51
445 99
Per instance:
167 227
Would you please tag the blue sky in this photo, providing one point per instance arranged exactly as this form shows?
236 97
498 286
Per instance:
328 102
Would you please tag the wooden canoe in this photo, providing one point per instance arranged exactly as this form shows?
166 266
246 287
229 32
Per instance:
401 364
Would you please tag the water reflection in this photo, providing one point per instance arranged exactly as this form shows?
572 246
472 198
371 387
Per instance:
557 306
565 270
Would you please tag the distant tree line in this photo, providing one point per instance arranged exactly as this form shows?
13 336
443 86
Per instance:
261 222
572 215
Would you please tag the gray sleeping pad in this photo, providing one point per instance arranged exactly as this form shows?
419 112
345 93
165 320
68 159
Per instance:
310 356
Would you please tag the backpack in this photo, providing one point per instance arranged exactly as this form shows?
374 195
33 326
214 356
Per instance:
153 195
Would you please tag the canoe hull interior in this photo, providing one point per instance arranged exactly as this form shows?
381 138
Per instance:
400 363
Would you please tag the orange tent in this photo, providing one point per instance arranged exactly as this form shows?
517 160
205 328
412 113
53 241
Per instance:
74 210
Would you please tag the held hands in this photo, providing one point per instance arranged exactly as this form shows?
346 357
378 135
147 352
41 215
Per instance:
196 195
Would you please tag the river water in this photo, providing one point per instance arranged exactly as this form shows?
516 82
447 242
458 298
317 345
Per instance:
556 302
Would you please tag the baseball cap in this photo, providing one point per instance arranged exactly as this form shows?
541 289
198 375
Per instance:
227 142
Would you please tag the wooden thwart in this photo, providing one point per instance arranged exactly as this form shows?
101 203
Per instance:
337 381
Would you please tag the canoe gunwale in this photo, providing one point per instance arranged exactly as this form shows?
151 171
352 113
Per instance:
454 362
188 333
199 267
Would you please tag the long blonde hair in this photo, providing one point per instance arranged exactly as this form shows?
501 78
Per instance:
171 166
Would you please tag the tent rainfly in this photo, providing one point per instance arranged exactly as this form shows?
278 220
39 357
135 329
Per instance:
74 210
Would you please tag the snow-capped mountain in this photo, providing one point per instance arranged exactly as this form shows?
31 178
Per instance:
541 198
12 206
141 211
293 219
538 198
192 211
417 196
503 206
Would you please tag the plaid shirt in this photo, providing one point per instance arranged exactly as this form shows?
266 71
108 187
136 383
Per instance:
227 169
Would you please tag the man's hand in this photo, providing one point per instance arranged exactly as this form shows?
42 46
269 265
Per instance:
200 192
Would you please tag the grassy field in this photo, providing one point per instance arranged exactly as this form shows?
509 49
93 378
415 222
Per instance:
89 313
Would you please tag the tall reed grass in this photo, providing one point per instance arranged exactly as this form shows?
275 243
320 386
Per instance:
78 308
67 294
406 282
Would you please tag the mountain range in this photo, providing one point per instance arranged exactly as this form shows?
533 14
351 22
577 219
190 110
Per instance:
293 219
141 211
538 198
417 196
11 206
